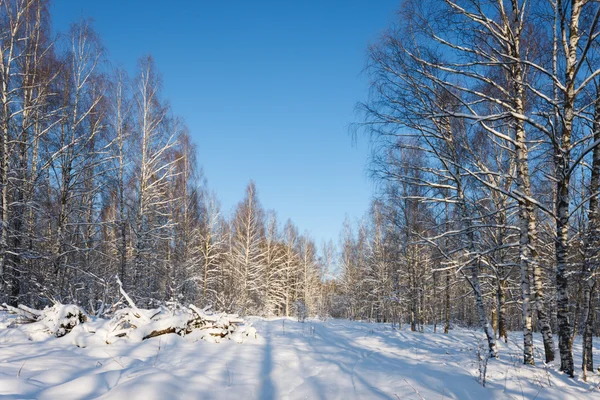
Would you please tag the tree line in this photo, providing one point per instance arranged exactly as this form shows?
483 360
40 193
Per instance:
99 178
485 122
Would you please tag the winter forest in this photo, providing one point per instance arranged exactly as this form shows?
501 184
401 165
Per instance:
483 118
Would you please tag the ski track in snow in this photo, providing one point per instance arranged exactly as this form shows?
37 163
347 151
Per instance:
334 359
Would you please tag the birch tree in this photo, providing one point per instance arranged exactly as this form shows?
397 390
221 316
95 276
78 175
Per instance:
210 277
246 252
154 171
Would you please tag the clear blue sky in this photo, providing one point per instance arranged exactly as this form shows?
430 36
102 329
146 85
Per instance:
267 88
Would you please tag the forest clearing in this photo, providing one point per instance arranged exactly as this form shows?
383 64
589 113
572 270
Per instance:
333 359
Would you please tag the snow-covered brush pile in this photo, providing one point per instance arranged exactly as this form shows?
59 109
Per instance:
58 320
137 324
130 322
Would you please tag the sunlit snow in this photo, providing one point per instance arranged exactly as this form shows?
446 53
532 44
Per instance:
334 359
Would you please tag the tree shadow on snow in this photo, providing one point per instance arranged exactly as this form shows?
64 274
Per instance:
267 389
370 369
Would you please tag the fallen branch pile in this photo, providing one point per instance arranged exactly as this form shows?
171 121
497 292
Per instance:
130 322
137 324
57 320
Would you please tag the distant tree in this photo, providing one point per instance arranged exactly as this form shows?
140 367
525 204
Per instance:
210 274
247 254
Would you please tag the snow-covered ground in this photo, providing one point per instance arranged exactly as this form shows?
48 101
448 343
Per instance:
313 360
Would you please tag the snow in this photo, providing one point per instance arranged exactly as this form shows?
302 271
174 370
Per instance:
334 359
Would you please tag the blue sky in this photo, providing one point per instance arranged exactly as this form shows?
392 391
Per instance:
267 88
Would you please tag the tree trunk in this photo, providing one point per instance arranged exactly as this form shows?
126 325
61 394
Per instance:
447 304
592 241
483 319
502 310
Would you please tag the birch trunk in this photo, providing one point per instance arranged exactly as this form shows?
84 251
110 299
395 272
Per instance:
475 269
527 220
8 57
563 164
591 251
502 332
447 304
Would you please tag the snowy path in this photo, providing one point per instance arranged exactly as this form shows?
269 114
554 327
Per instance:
315 360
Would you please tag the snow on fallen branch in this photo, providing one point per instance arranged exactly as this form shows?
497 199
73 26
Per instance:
58 320
139 324
131 322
